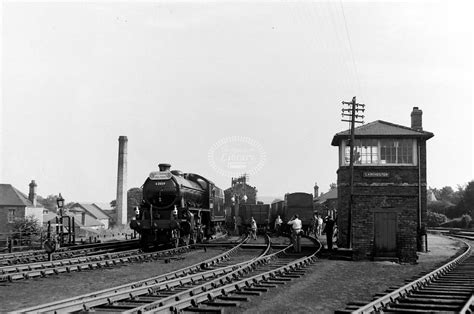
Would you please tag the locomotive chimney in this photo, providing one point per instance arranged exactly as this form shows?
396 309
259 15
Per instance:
122 182
416 122
164 167
32 194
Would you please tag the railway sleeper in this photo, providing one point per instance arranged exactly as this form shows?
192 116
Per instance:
264 285
16 277
233 298
469 283
290 276
443 292
220 304
242 292
275 281
439 296
146 299
195 309
403 311
48 272
447 288
33 274
255 289
413 299
62 269
425 306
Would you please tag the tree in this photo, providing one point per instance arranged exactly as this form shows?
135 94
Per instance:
439 207
447 194
332 186
468 198
27 228
49 202
113 203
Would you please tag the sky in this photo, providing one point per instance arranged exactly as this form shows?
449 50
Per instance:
197 83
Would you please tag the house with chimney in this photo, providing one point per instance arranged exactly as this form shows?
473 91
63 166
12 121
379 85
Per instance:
383 214
14 205
89 215
325 204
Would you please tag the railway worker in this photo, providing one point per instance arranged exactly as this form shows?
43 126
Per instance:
236 226
253 228
319 228
296 226
314 225
278 223
329 229
238 220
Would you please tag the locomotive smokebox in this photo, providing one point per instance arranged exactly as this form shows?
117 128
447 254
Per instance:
164 167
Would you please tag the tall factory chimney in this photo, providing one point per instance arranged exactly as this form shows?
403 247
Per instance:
121 208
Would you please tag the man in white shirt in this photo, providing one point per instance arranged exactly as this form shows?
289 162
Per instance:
296 226
253 228
278 223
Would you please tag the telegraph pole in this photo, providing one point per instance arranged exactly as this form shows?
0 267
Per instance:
351 112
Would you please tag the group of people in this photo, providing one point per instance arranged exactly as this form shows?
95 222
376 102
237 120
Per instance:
318 227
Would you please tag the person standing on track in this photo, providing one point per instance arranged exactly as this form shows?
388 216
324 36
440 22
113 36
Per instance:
278 223
296 226
236 227
319 228
253 228
329 229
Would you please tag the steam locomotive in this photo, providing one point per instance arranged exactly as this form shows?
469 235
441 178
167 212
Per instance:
178 208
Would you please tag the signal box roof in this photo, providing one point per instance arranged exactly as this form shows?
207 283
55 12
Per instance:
381 129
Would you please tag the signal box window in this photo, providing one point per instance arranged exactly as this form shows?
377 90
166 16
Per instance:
381 152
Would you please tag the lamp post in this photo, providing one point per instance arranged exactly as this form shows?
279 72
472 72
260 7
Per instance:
60 202
59 221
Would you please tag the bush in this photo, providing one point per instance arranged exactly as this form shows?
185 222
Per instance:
435 219
460 222
465 221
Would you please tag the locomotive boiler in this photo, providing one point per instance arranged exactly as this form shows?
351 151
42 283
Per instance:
178 208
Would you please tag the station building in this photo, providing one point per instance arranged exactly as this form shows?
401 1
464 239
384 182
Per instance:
387 218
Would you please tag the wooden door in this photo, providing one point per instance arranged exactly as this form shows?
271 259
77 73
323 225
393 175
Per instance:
385 233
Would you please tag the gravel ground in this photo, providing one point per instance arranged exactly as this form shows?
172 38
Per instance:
327 286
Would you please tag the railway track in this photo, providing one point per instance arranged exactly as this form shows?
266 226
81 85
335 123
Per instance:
448 289
93 301
43 269
69 252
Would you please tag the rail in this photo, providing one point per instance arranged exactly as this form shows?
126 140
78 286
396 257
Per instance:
210 290
82 302
381 302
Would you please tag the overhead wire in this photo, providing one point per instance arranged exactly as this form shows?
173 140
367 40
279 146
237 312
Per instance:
351 50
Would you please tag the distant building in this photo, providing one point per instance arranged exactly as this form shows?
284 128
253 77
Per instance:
326 203
90 215
108 209
430 197
238 189
16 205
